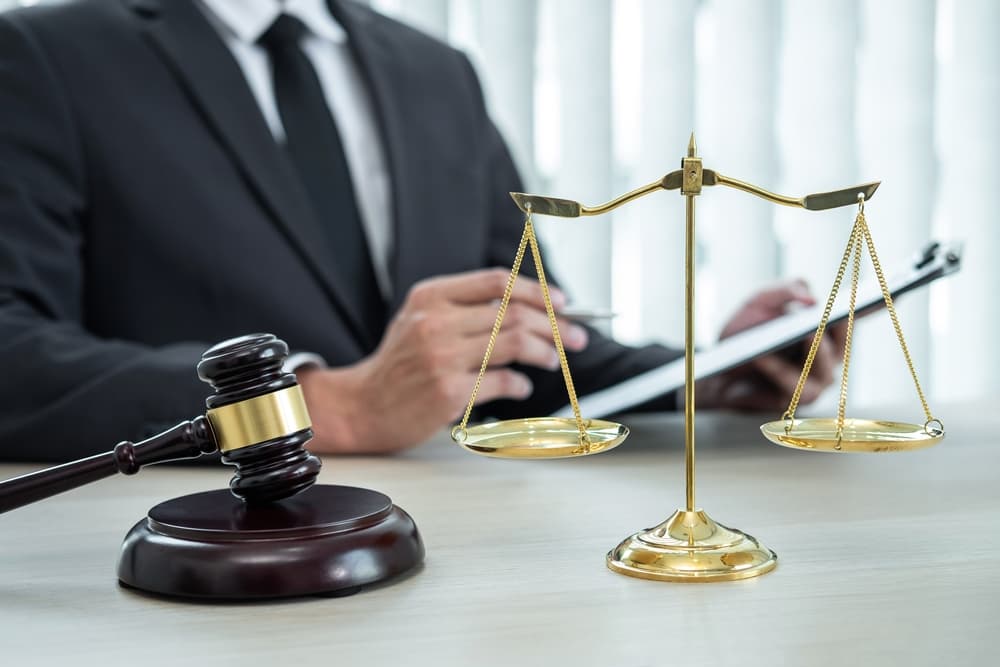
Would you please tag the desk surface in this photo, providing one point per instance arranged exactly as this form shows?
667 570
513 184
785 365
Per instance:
884 560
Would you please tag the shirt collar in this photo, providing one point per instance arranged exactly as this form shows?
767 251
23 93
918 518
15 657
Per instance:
247 20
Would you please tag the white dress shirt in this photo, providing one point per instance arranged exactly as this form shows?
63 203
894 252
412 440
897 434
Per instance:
241 23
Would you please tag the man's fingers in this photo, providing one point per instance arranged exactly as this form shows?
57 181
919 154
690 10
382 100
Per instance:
780 295
766 305
777 376
479 319
824 363
485 285
785 376
517 346
837 334
504 383
779 372
752 395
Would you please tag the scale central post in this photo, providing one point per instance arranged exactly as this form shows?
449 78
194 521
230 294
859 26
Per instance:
690 188
690 546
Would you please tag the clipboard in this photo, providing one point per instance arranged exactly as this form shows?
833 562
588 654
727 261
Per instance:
936 260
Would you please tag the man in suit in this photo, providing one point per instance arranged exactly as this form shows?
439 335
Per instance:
177 172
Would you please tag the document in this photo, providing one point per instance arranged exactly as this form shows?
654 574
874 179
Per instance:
935 261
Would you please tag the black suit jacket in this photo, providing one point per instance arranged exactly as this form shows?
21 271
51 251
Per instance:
147 212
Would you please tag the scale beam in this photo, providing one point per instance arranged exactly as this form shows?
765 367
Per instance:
818 201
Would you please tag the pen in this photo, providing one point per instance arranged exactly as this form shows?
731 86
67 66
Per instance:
580 314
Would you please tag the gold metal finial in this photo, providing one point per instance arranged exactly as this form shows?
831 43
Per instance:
692 146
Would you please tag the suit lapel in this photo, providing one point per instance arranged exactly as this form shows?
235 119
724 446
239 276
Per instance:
210 75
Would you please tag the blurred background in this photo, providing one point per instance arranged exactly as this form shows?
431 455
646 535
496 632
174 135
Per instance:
597 97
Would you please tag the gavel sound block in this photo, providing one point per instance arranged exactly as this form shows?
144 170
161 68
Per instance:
274 533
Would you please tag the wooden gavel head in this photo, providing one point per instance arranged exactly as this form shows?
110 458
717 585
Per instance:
259 418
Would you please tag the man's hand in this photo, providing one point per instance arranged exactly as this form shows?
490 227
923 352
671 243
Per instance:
422 374
767 383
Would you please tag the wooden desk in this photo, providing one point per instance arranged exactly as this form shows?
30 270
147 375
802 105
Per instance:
884 560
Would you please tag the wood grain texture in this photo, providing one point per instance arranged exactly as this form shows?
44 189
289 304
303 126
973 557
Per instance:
884 560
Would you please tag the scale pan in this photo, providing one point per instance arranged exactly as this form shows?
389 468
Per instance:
540 438
859 435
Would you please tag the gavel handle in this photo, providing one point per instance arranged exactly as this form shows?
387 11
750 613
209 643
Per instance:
187 440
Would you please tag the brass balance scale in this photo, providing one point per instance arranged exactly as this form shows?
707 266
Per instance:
689 545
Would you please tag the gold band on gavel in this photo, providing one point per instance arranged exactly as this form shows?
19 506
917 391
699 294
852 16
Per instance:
259 419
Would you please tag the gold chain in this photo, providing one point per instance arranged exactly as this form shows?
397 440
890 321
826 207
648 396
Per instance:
849 336
789 415
459 432
556 337
860 237
895 324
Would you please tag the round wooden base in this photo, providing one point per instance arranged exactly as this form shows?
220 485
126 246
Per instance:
325 540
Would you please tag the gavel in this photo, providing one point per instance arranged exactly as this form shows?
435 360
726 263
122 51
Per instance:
257 420
274 533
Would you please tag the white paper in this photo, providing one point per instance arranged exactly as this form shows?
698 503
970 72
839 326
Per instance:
762 339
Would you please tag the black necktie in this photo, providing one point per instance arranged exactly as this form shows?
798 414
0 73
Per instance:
313 143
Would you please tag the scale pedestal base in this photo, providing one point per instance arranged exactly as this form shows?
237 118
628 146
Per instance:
327 540
690 546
